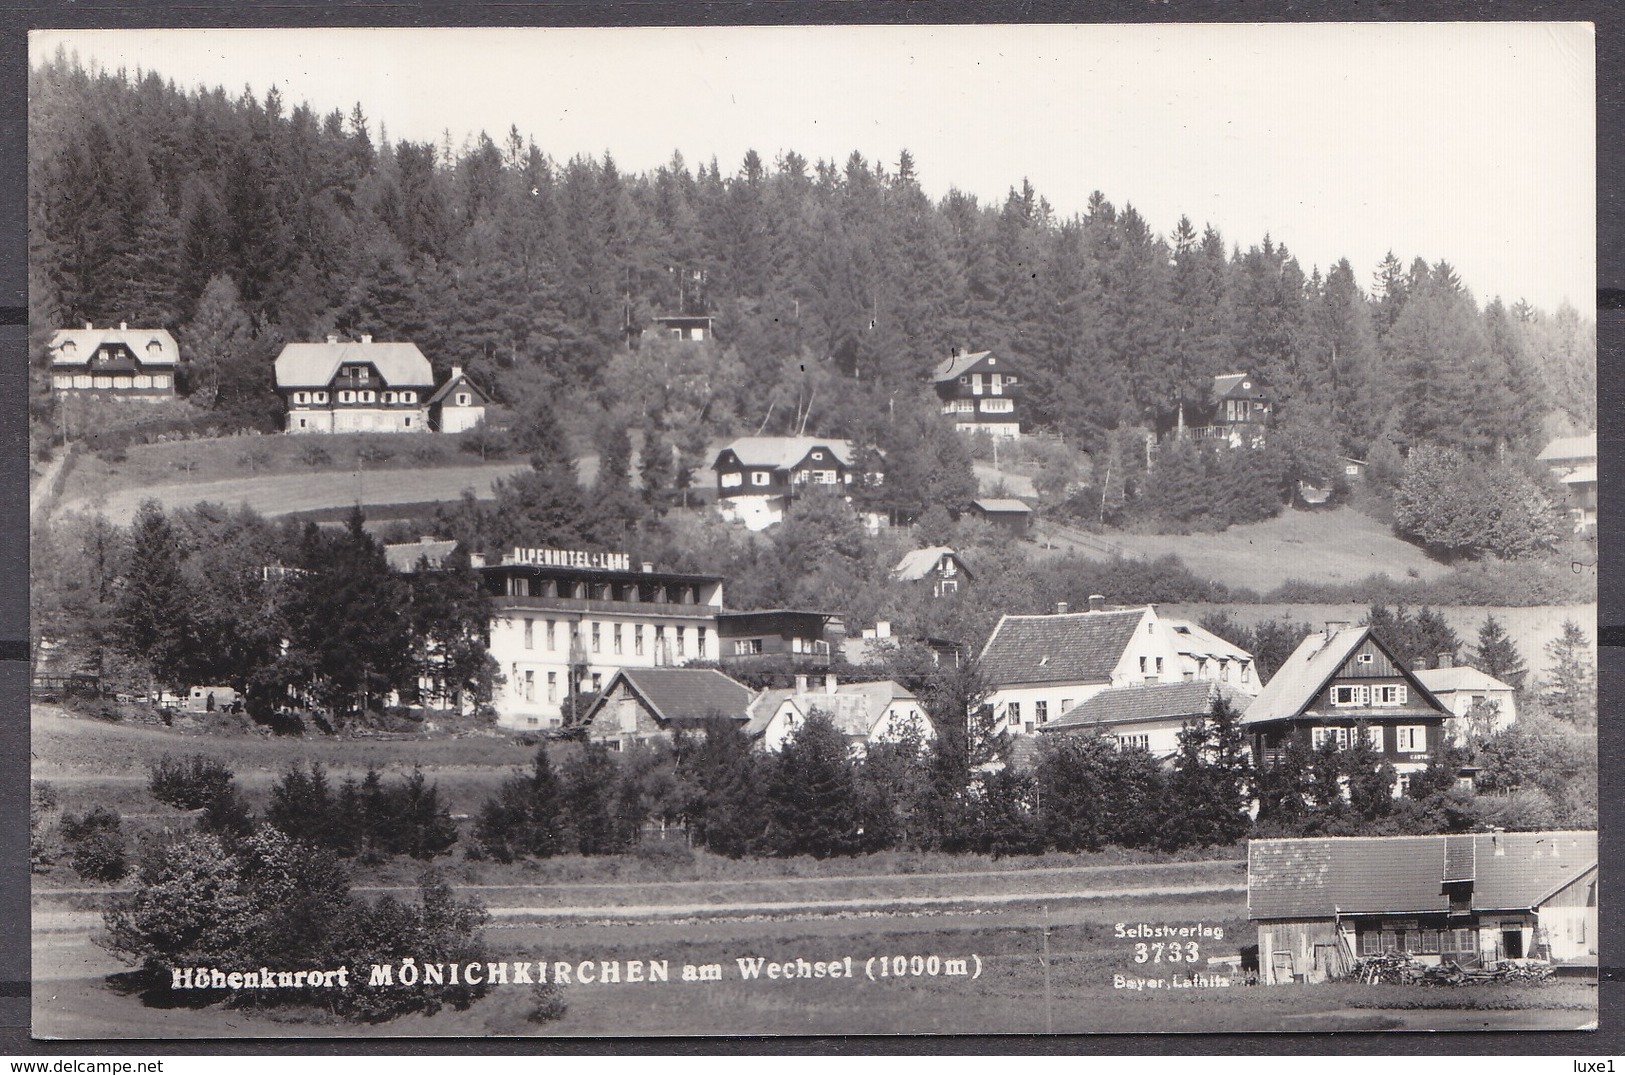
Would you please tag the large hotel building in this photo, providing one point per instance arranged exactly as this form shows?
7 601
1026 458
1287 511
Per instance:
563 621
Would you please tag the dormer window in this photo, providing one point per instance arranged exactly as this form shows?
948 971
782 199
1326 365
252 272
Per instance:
318 397
409 397
389 397
361 374
818 456
154 347
69 347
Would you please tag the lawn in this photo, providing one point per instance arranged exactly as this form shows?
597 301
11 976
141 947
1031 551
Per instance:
1338 546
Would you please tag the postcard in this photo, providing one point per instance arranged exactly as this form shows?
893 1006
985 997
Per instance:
813 530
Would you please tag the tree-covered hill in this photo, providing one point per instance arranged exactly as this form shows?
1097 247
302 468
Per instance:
243 222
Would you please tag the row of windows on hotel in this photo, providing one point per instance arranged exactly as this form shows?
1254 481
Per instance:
618 638
653 593
359 396
123 381
801 477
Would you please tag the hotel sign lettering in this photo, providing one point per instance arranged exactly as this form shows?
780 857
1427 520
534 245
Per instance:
607 561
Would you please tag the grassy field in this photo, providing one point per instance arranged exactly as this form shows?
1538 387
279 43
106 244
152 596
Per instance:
1330 547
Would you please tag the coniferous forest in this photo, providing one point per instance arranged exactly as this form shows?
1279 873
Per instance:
243 222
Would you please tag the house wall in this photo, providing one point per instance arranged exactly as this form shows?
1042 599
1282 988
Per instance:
131 383
536 700
624 721
1056 697
1302 950
455 419
342 419
755 512
1568 919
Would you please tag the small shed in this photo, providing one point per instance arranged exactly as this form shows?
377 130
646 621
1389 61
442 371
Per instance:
207 699
458 405
1006 513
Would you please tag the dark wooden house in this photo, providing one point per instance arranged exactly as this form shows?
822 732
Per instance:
800 638
1006 513
980 393
758 477
1475 899
1334 683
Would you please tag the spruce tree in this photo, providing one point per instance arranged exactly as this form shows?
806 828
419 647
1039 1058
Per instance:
812 798
1569 688
1497 655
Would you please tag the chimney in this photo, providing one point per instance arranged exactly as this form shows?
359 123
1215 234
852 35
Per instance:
648 567
801 683
456 372
1498 841
1420 664
89 326
123 326
476 559
829 683
1334 626
1447 660
332 337
366 337
1097 602
1060 608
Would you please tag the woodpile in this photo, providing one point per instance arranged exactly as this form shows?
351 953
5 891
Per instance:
1402 970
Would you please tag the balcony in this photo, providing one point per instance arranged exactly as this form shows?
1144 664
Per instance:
614 608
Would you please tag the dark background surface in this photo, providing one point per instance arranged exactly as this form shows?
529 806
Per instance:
16 18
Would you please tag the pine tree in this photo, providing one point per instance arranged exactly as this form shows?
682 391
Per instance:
725 809
1497 655
154 620
812 801
1569 688
219 339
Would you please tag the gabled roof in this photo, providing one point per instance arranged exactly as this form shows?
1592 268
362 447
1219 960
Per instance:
955 367
1562 449
998 505
1230 385
782 453
85 341
1194 640
1319 878
919 563
312 365
853 708
1460 678
680 695
404 558
1311 667
1079 647
1185 700
452 382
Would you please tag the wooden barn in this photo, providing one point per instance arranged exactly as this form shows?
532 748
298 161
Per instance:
1475 900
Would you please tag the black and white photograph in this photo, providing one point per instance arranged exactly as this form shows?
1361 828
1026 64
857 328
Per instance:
812 530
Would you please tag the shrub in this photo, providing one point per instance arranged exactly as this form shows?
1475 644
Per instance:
95 844
427 452
189 784
314 455
546 1002
374 452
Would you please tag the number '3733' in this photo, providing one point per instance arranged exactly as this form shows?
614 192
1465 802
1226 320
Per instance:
1171 952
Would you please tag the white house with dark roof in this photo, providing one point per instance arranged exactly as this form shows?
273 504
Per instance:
758 477
406 557
1464 690
355 386
114 363
937 565
1573 462
980 393
868 712
1148 717
457 405
1474 900
1040 667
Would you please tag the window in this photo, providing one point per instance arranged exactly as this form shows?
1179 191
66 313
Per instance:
760 477
301 397
1246 671
389 397
362 375
823 477
551 625
316 397
409 397
1365 658
1319 736
1351 695
637 640
530 633
616 640
346 396
1066 706
1461 940
1224 670
660 644
1427 941
1132 742
552 686
699 645
1159 666
997 406
818 457
1142 666
597 639
366 397
1411 739
160 380
530 685
1370 942
682 645
81 380
597 682
732 480
1390 694
1013 709
464 399
1041 712
745 647
408 423
950 586
301 423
